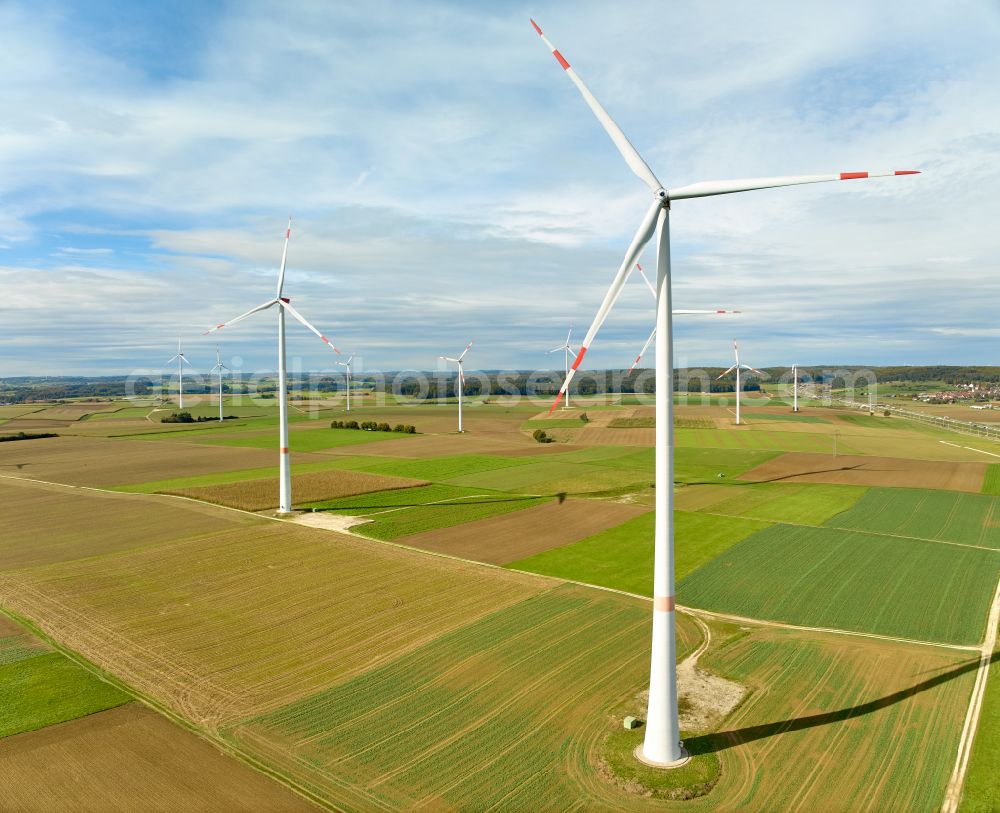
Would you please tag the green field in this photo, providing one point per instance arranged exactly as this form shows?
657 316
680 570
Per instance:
981 793
441 469
991 482
481 718
761 439
951 516
785 416
796 503
49 688
622 557
827 577
412 510
695 465
304 440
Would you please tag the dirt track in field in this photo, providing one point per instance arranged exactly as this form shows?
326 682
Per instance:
130 758
513 536
111 462
801 467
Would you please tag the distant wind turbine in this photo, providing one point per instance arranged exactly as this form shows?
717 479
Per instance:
661 744
347 370
284 305
676 312
219 367
181 361
738 368
795 388
461 380
567 349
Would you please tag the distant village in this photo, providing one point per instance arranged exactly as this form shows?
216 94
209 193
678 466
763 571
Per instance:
978 396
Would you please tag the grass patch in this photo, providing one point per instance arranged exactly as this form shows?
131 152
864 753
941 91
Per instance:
786 416
703 465
827 577
622 557
951 516
48 689
218 478
636 423
693 423
875 422
446 468
412 510
761 440
305 440
991 482
689 781
800 503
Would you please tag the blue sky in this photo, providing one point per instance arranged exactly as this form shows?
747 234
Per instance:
448 182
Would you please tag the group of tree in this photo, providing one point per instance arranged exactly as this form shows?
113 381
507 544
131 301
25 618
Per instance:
186 417
374 426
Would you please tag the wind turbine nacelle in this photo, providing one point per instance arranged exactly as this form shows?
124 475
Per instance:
285 299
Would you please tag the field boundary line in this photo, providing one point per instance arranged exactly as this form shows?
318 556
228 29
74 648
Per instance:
970 448
953 793
213 738
557 579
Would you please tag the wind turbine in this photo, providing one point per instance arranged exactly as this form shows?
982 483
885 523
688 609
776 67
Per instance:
662 738
461 380
219 367
738 368
284 305
181 361
565 346
676 312
347 369
795 388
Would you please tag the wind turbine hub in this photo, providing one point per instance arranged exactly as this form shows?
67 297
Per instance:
664 199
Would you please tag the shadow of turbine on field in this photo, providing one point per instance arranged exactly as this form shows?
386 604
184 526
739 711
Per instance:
817 471
722 740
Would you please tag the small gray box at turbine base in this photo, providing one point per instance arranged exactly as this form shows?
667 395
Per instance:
630 723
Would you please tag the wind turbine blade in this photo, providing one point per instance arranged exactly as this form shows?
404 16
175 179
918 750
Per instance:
629 153
727 372
644 348
184 359
172 358
448 358
284 255
467 347
241 317
688 311
649 285
642 236
707 188
752 369
568 334
557 349
303 320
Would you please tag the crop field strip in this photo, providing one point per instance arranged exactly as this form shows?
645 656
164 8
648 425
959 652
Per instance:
477 717
127 756
794 503
183 626
257 495
828 577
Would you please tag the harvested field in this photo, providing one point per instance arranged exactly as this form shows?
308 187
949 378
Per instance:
827 577
603 436
231 624
301 439
970 519
110 461
502 539
478 719
64 524
131 759
256 495
870 471
439 469
426 446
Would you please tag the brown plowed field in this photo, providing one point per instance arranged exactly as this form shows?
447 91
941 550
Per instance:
513 536
256 495
599 436
44 523
800 467
111 462
131 759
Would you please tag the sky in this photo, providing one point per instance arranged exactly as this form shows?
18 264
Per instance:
448 183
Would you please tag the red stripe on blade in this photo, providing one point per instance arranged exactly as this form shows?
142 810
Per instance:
579 358
562 60
552 408
536 27
847 176
325 339
288 233
907 172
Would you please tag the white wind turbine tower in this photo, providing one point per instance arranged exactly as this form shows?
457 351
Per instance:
676 312
284 305
219 367
567 349
181 361
347 370
461 380
795 388
662 738
738 368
